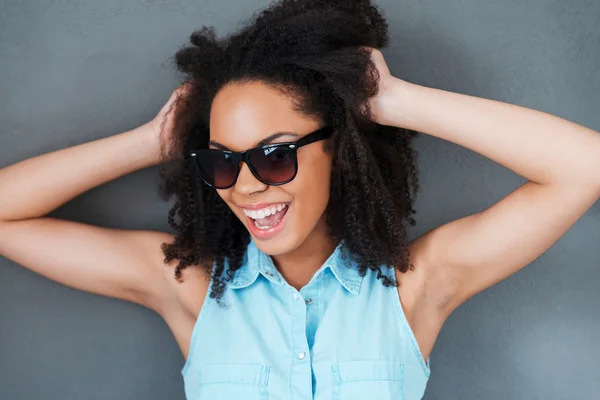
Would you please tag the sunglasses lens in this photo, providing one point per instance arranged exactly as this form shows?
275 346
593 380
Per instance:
217 168
274 164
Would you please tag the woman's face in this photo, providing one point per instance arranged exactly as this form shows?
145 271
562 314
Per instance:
241 116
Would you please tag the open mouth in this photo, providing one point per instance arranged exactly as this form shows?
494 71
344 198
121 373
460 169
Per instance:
267 218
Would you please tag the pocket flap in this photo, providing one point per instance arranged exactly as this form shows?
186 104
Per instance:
357 371
241 374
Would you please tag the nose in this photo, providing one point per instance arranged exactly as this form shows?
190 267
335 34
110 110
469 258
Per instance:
247 183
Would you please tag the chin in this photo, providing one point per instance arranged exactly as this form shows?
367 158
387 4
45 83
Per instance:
284 242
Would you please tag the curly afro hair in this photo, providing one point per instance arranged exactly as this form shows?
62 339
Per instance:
312 51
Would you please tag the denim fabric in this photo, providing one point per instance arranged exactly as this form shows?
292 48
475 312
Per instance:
341 337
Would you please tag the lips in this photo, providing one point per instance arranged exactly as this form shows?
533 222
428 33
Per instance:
258 206
276 221
264 212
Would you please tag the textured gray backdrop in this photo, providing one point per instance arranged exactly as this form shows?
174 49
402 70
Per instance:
75 71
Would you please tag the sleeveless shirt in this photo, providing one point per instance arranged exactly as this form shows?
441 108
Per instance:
340 337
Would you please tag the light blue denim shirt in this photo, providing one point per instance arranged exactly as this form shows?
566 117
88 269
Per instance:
341 337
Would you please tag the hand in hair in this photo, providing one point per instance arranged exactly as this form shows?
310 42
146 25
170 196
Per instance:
380 102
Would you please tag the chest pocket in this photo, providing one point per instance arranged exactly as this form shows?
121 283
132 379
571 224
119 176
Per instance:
234 381
354 380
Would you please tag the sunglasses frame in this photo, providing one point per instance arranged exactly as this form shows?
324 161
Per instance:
239 156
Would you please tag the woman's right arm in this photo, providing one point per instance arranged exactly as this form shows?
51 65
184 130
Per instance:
124 264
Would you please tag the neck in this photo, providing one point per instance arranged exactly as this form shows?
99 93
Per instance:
298 266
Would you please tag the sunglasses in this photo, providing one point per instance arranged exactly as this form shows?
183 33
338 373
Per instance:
272 164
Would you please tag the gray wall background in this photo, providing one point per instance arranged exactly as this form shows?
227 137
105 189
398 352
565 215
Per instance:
75 71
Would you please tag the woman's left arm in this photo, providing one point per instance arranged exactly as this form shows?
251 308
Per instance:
561 160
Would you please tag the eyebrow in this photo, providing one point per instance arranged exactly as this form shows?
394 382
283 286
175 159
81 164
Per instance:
262 142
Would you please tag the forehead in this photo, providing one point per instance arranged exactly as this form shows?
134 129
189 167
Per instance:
244 113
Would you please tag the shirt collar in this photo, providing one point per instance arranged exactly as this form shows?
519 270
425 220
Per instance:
255 262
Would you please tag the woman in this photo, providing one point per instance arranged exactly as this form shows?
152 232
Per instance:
288 150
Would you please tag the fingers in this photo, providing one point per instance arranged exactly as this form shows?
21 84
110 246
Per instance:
184 89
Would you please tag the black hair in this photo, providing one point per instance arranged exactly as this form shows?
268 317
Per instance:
311 50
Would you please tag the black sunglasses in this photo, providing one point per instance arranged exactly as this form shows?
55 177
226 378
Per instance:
273 164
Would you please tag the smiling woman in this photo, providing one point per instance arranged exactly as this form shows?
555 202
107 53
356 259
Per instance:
288 150
280 172
243 96
296 173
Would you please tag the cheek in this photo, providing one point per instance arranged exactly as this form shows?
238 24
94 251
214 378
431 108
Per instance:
311 186
225 194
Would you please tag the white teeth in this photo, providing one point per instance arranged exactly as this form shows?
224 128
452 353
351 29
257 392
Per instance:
256 214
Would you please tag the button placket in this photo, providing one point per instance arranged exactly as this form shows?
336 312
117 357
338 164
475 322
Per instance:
310 294
301 309
301 364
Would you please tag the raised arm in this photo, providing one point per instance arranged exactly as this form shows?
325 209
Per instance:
111 262
559 158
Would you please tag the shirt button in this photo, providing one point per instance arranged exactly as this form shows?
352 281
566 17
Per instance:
301 355
296 296
308 301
